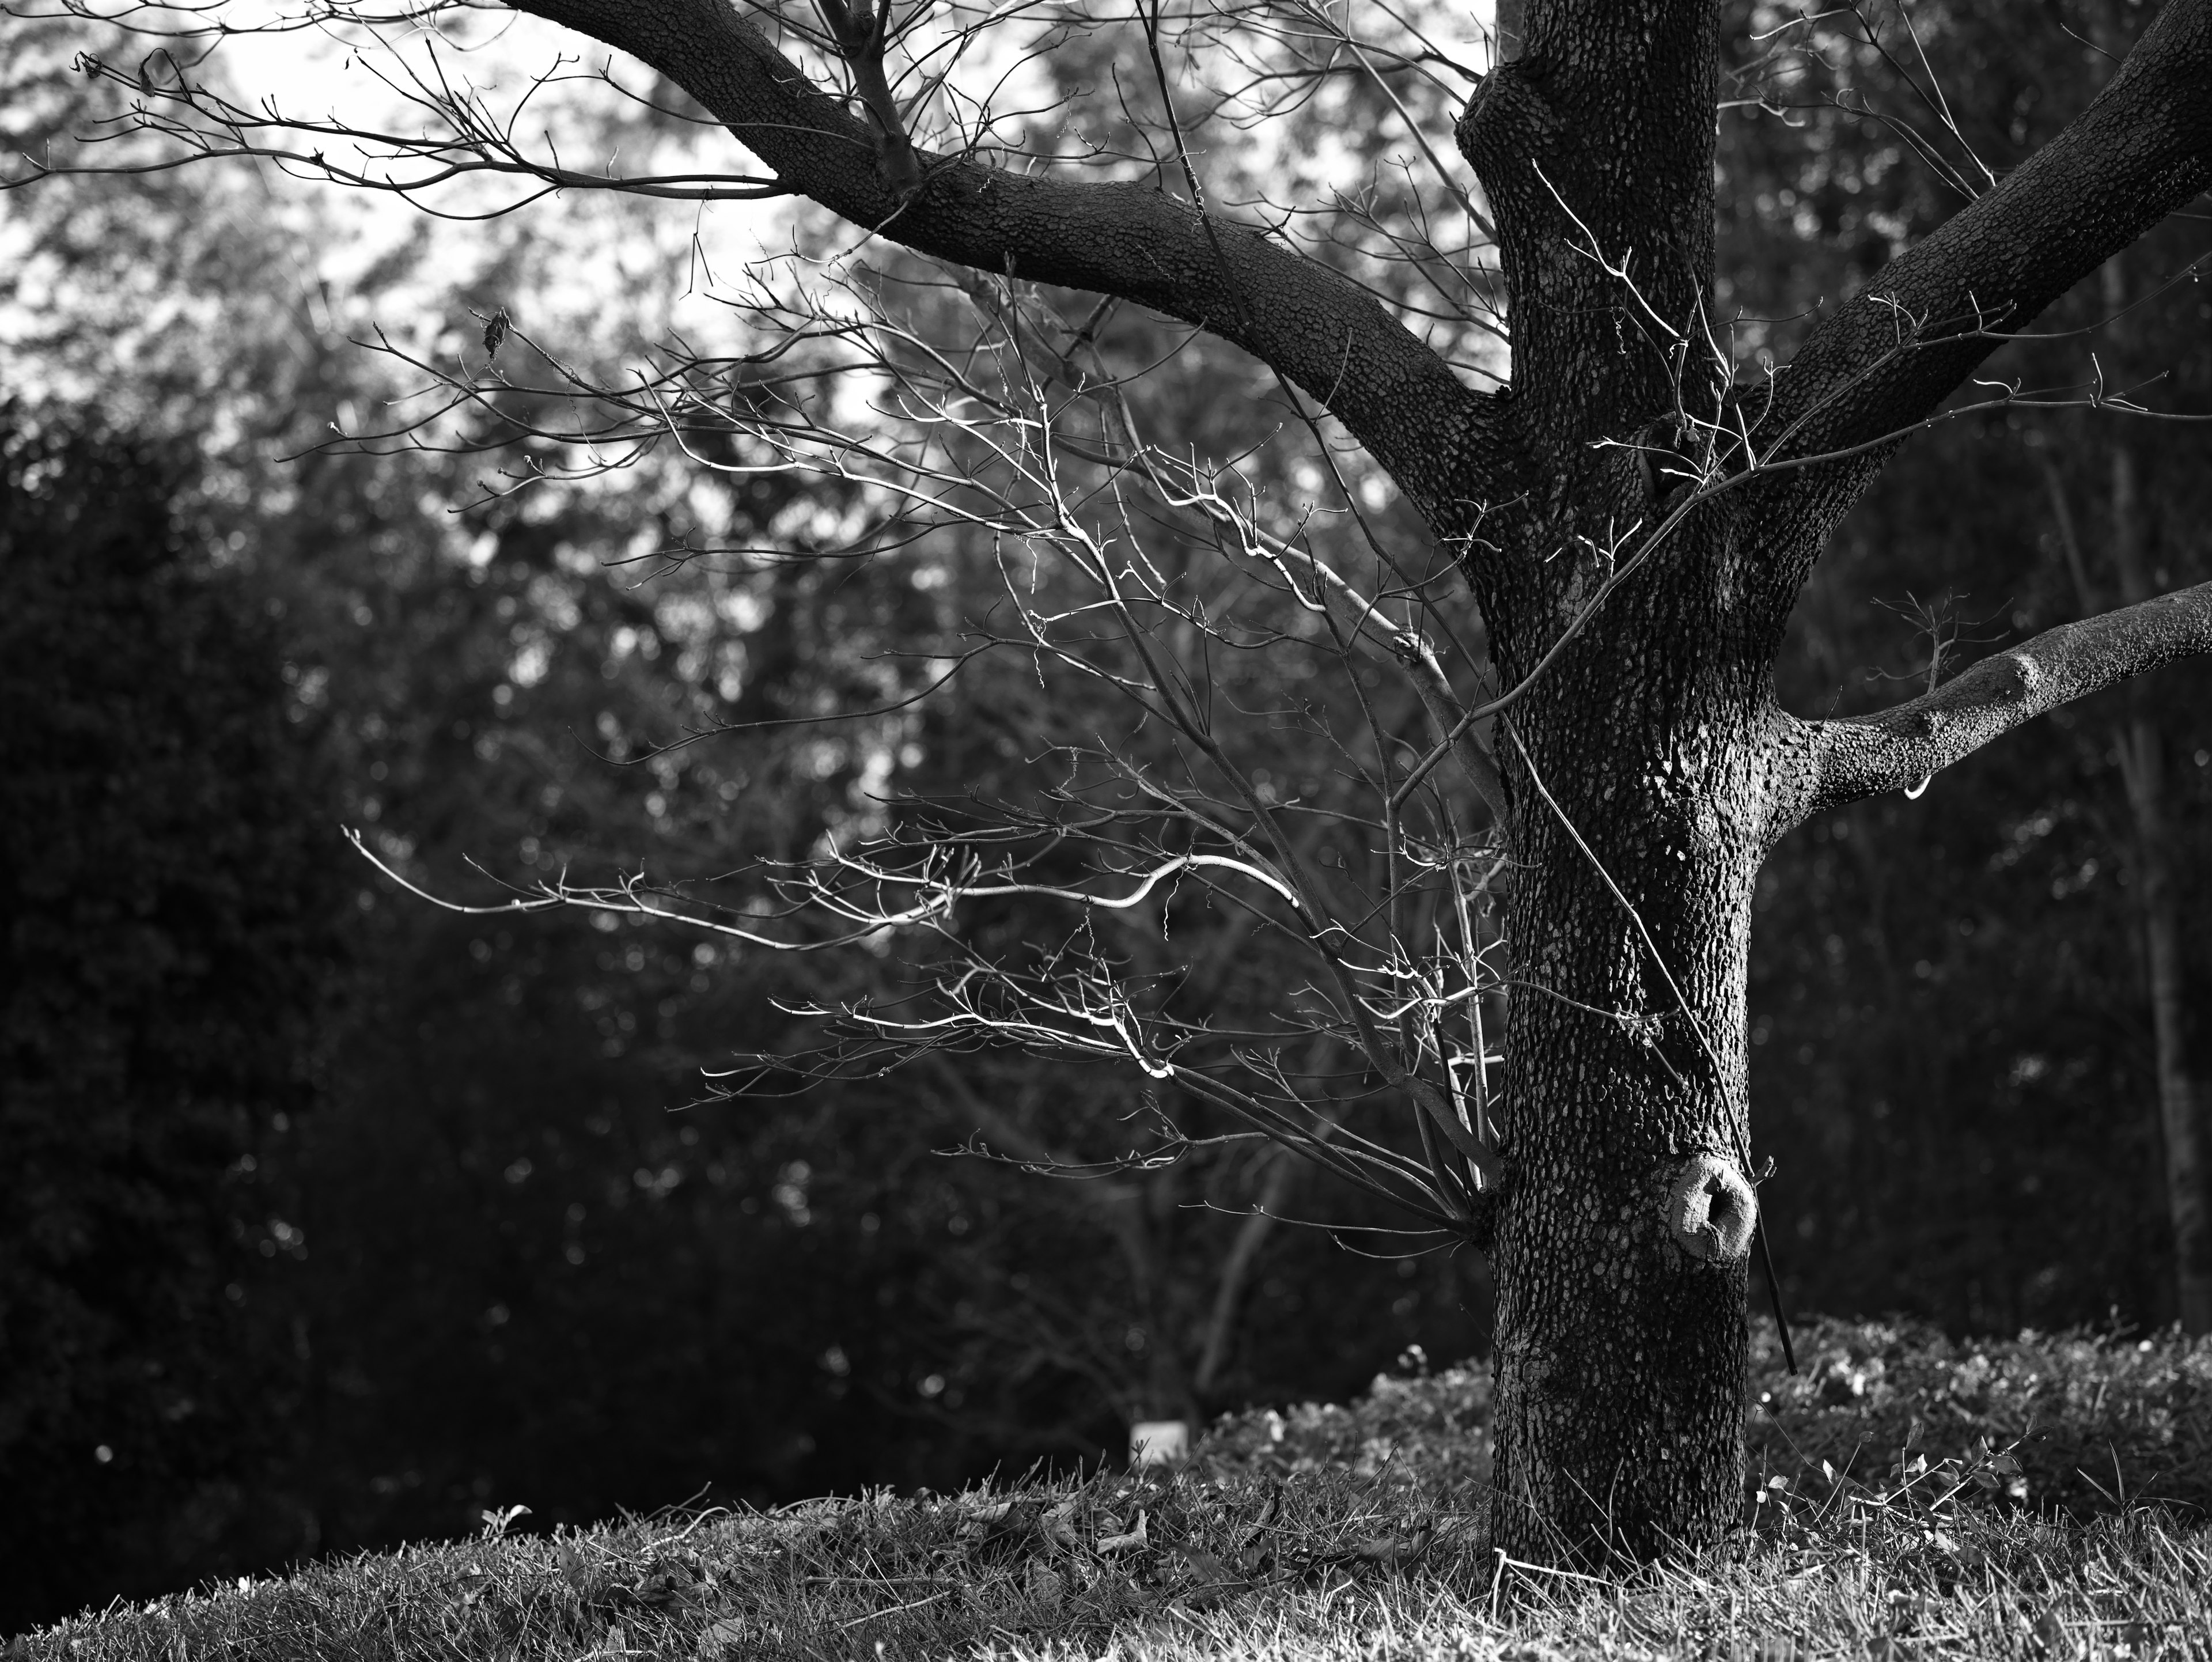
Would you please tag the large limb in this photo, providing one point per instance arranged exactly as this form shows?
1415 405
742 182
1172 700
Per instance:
1888 358
1443 442
1824 765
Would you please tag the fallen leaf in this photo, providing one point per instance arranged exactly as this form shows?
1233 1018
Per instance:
1204 1563
573 1568
1214 1580
1134 1537
2050 1632
998 1519
722 1639
1045 1586
1058 1527
1397 1549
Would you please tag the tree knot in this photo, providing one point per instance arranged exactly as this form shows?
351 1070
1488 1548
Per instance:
1710 1210
1507 118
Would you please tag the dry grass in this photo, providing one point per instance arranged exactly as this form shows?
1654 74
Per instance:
1350 1532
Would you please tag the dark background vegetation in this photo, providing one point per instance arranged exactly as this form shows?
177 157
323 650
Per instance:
335 1219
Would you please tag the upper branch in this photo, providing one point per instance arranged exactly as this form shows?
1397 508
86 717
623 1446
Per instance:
1892 354
1442 441
1832 762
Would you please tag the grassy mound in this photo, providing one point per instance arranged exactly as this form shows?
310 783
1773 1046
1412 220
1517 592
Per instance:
1910 1497
2093 1424
2070 1422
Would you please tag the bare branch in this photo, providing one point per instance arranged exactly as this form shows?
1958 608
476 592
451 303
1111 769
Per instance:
1885 360
1388 388
1832 762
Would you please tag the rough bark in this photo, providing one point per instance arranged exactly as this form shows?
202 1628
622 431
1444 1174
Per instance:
1619 1336
1648 771
1831 763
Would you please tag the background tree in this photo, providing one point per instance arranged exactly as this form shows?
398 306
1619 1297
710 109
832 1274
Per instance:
171 905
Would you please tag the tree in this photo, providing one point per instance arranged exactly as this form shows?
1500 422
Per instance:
1988 508
170 894
1634 510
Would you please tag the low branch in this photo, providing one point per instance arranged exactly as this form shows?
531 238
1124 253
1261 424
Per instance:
1443 442
1841 761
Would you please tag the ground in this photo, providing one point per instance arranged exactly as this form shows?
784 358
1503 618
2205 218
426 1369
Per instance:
2046 1496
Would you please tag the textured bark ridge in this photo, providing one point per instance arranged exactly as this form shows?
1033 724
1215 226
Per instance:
1648 771
1621 1344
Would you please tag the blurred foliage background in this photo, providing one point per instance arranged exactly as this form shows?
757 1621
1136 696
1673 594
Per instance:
338 1219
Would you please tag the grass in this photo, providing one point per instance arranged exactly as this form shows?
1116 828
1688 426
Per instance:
2038 1498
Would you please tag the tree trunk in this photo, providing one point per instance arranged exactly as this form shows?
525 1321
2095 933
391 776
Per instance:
2143 768
1640 820
2182 1132
1636 829
2188 1182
